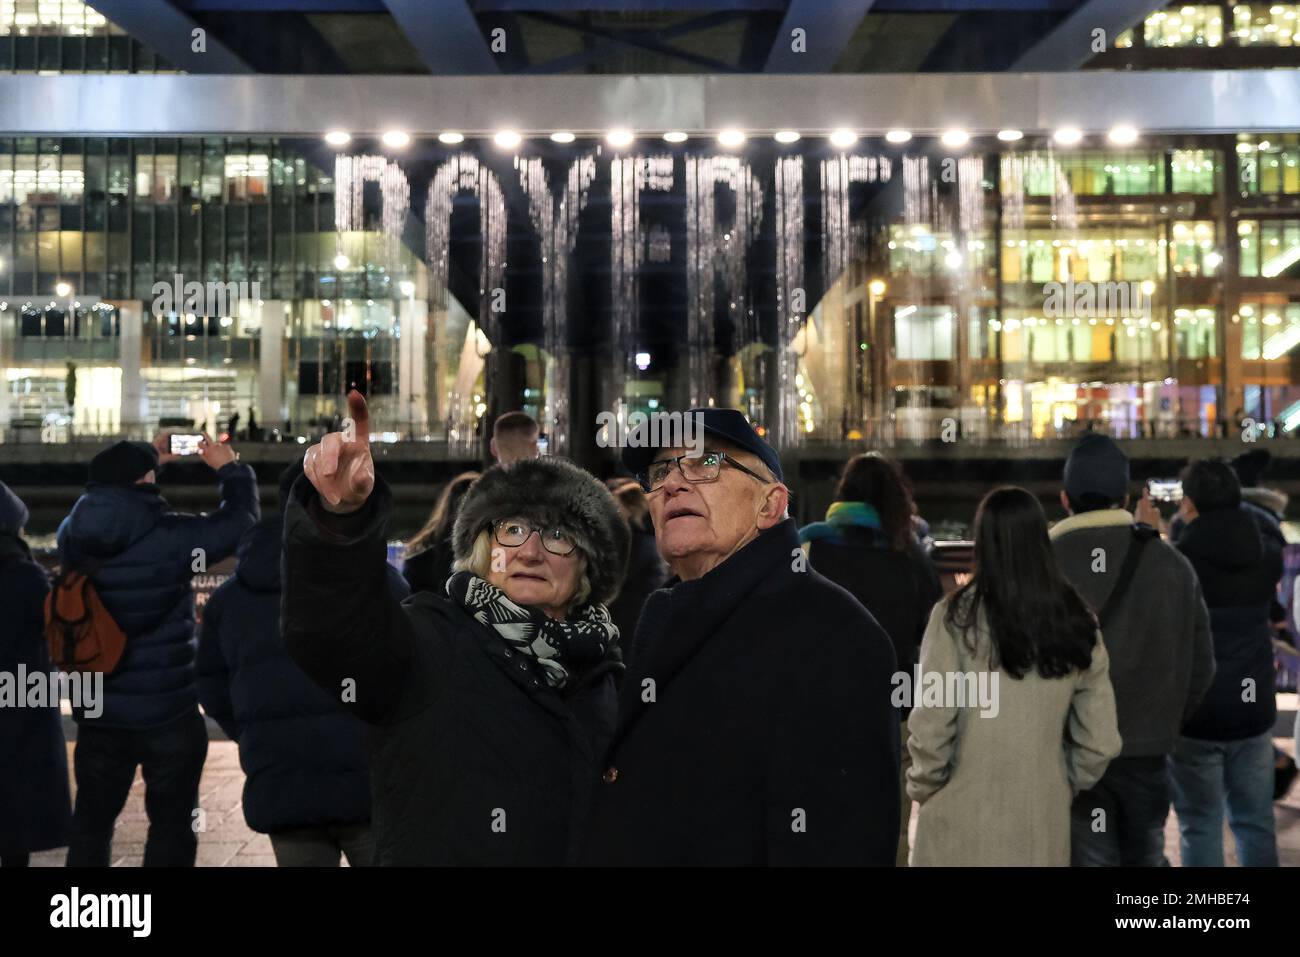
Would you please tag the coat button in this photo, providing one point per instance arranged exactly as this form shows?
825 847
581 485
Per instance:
509 652
610 775
523 666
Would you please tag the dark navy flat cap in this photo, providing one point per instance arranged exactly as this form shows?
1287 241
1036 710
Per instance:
727 424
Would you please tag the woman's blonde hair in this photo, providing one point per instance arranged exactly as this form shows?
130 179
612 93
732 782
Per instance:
479 562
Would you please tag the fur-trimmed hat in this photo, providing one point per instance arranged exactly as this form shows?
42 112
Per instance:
552 493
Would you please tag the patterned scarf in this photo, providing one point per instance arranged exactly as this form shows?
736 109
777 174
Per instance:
559 647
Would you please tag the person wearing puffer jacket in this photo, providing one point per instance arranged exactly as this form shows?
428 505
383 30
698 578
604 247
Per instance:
305 759
35 806
1224 759
142 557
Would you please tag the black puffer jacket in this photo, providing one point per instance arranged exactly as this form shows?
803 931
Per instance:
1239 562
305 760
475 758
148 555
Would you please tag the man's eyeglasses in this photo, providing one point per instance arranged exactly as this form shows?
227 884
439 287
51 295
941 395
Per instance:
699 468
512 533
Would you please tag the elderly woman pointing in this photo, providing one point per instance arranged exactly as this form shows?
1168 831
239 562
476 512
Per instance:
492 703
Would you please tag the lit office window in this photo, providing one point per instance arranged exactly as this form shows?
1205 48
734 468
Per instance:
1195 332
1194 252
1193 171
248 177
923 332
1269 330
1113 255
1269 164
1266 24
1200 25
44 179
1269 248
69 18
1094 173
920 250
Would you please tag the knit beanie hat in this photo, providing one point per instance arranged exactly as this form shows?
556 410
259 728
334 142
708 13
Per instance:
1098 466
123 463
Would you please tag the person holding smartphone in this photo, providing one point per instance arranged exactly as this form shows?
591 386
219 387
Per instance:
141 557
1156 629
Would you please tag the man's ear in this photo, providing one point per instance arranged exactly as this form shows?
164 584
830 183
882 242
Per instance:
1065 502
775 502
492 447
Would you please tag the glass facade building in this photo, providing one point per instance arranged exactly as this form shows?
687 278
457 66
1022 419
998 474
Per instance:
1018 291
1008 289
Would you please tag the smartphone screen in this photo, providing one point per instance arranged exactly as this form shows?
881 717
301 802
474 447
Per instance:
1165 490
185 444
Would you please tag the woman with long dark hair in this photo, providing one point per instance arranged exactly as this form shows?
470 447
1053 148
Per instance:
868 546
428 555
1014 713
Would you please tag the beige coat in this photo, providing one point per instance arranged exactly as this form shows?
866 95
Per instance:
996 791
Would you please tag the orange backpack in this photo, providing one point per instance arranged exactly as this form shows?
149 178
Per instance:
80 633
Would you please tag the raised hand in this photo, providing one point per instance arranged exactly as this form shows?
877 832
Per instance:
216 454
340 466
162 443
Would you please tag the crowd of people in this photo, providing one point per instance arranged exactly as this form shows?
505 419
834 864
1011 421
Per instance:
662 669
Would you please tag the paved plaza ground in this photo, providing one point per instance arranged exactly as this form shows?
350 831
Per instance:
228 842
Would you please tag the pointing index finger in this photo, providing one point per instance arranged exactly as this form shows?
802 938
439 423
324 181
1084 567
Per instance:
360 415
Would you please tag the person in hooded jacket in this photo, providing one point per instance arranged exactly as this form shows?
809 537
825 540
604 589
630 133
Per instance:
1224 758
141 557
489 701
35 805
305 759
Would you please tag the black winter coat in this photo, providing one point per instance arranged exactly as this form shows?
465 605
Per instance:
305 759
35 805
429 570
646 572
755 724
1238 560
475 758
898 588
148 556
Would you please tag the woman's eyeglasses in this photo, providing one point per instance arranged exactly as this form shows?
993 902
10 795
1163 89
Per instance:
698 468
512 533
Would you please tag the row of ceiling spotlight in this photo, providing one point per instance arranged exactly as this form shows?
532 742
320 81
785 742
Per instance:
954 138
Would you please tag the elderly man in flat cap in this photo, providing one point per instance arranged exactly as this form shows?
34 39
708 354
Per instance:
755 724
